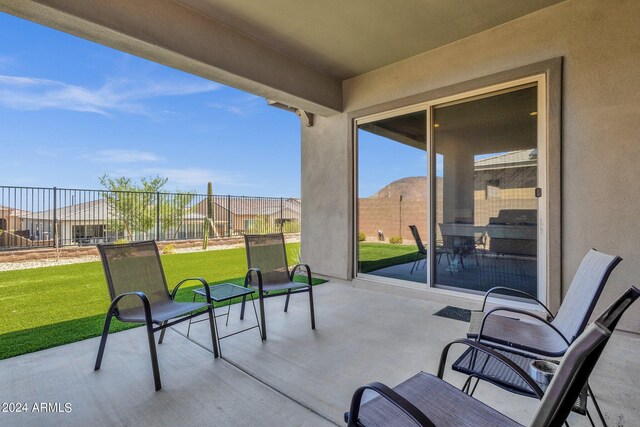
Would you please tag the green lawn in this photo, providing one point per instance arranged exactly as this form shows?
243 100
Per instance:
46 307
373 256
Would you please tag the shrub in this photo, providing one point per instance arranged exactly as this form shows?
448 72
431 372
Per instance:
291 227
395 240
361 237
260 225
169 249
294 257
120 242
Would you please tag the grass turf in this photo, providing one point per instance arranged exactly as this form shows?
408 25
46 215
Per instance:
46 307
373 256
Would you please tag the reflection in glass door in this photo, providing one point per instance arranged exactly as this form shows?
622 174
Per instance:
485 192
392 197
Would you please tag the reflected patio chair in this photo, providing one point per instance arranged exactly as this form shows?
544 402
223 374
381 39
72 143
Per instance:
269 272
139 294
427 400
536 334
422 251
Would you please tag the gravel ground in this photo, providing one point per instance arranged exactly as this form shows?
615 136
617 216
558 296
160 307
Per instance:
22 265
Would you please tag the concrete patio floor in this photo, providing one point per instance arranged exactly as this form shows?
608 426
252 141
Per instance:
299 377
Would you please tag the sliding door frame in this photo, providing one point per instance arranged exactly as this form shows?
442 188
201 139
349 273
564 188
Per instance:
547 77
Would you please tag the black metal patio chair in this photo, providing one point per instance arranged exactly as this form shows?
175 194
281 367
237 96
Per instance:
536 334
428 400
139 294
422 251
269 271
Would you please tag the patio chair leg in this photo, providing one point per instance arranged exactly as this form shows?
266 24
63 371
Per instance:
313 316
188 327
253 301
154 357
103 341
474 387
286 304
465 386
414 263
164 330
449 262
244 300
262 321
213 326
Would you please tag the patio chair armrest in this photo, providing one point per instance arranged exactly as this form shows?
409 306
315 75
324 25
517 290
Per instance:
392 397
205 285
524 313
517 292
247 278
145 304
306 266
494 354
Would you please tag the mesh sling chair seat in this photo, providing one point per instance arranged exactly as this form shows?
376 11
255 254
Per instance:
139 294
535 334
427 400
269 271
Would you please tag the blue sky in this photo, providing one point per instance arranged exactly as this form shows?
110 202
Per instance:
382 160
72 110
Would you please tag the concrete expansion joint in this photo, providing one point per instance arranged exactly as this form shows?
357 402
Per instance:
261 381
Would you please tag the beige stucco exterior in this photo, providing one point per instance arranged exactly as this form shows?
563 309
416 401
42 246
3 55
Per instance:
599 42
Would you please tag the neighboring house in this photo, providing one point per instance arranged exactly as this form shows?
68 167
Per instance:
94 222
12 229
10 218
245 214
82 223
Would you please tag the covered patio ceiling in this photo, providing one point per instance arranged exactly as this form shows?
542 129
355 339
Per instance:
294 52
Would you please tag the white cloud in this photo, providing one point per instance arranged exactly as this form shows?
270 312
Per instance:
116 95
243 107
123 156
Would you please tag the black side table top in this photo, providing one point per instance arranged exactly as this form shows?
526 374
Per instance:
225 291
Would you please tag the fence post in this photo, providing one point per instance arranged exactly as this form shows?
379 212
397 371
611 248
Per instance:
55 219
157 215
228 215
281 214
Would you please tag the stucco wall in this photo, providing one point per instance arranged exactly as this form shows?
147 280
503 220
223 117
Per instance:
600 43
326 191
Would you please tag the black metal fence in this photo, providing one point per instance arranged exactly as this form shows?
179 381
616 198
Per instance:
46 217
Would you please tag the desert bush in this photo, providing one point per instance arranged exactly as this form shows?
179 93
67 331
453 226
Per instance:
395 240
361 237
260 225
169 249
291 227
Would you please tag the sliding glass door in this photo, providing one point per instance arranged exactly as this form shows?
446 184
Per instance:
486 205
450 192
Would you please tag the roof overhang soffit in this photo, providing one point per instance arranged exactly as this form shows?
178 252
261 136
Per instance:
169 33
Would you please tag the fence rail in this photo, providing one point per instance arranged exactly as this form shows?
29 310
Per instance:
50 217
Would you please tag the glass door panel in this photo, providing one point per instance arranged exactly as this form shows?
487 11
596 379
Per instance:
486 206
392 197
